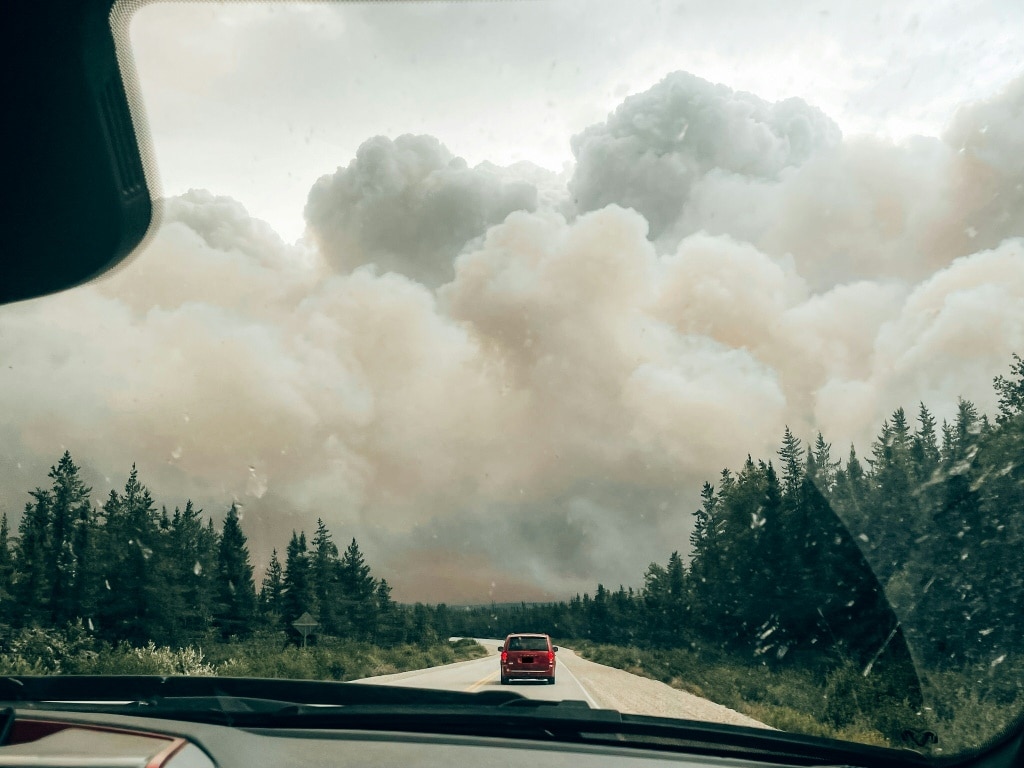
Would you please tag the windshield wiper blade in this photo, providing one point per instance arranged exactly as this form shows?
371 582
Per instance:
129 688
291 704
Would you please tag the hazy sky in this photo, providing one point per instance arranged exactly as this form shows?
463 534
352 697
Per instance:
494 287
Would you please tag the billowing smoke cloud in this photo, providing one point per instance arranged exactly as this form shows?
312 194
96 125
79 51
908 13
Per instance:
659 144
696 157
505 397
408 205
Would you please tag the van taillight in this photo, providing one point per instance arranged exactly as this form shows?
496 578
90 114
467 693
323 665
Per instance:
551 656
504 657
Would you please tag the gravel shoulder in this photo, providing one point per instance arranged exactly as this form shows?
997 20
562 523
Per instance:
613 688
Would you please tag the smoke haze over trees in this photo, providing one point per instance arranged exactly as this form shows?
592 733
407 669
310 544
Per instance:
483 372
792 558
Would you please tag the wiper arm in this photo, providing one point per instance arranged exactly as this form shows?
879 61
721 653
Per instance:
149 688
290 704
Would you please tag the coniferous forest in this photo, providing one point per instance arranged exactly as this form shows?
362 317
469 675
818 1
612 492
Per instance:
800 555
896 576
130 572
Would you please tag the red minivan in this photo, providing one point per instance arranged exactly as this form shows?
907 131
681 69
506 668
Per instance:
528 656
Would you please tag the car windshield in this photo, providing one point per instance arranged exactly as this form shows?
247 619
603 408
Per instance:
683 333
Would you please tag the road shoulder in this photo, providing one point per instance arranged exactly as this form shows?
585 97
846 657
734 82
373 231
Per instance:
617 689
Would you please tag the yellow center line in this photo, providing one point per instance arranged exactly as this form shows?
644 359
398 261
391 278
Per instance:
482 681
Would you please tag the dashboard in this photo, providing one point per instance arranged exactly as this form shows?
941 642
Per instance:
81 740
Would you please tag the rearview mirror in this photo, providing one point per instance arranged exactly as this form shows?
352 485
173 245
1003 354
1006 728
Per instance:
77 128
554 648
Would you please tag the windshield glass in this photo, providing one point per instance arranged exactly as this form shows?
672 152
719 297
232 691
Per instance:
527 644
683 333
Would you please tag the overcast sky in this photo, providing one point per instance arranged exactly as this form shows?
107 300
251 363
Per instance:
495 287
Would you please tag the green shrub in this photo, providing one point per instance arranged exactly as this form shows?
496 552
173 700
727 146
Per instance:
72 651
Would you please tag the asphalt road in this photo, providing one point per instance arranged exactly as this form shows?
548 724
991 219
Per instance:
482 674
600 686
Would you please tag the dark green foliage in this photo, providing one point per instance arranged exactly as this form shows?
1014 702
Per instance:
357 593
266 654
326 580
298 597
236 606
272 590
6 574
130 573
192 576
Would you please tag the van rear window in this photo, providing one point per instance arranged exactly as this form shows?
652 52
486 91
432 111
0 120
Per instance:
528 644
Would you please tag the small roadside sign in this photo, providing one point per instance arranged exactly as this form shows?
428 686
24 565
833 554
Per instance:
305 624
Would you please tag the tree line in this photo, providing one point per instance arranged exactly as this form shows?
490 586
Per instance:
127 571
912 557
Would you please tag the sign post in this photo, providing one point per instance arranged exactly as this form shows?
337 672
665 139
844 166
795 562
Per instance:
305 624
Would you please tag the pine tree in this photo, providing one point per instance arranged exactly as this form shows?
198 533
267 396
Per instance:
704 548
1010 391
895 507
32 553
298 588
236 612
131 605
272 589
824 472
965 431
389 628
357 590
193 558
69 577
925 449
6 573
325 575
791 456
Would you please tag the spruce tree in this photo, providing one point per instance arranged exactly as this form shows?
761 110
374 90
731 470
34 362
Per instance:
70 521
791 458
357 590
925 450
1010 391
193 558
6 573
298 595
236 610
326 577
272 590
32 556
131 601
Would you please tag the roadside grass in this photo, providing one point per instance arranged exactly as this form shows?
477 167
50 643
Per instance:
788 699
969 709
966 709
271 655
